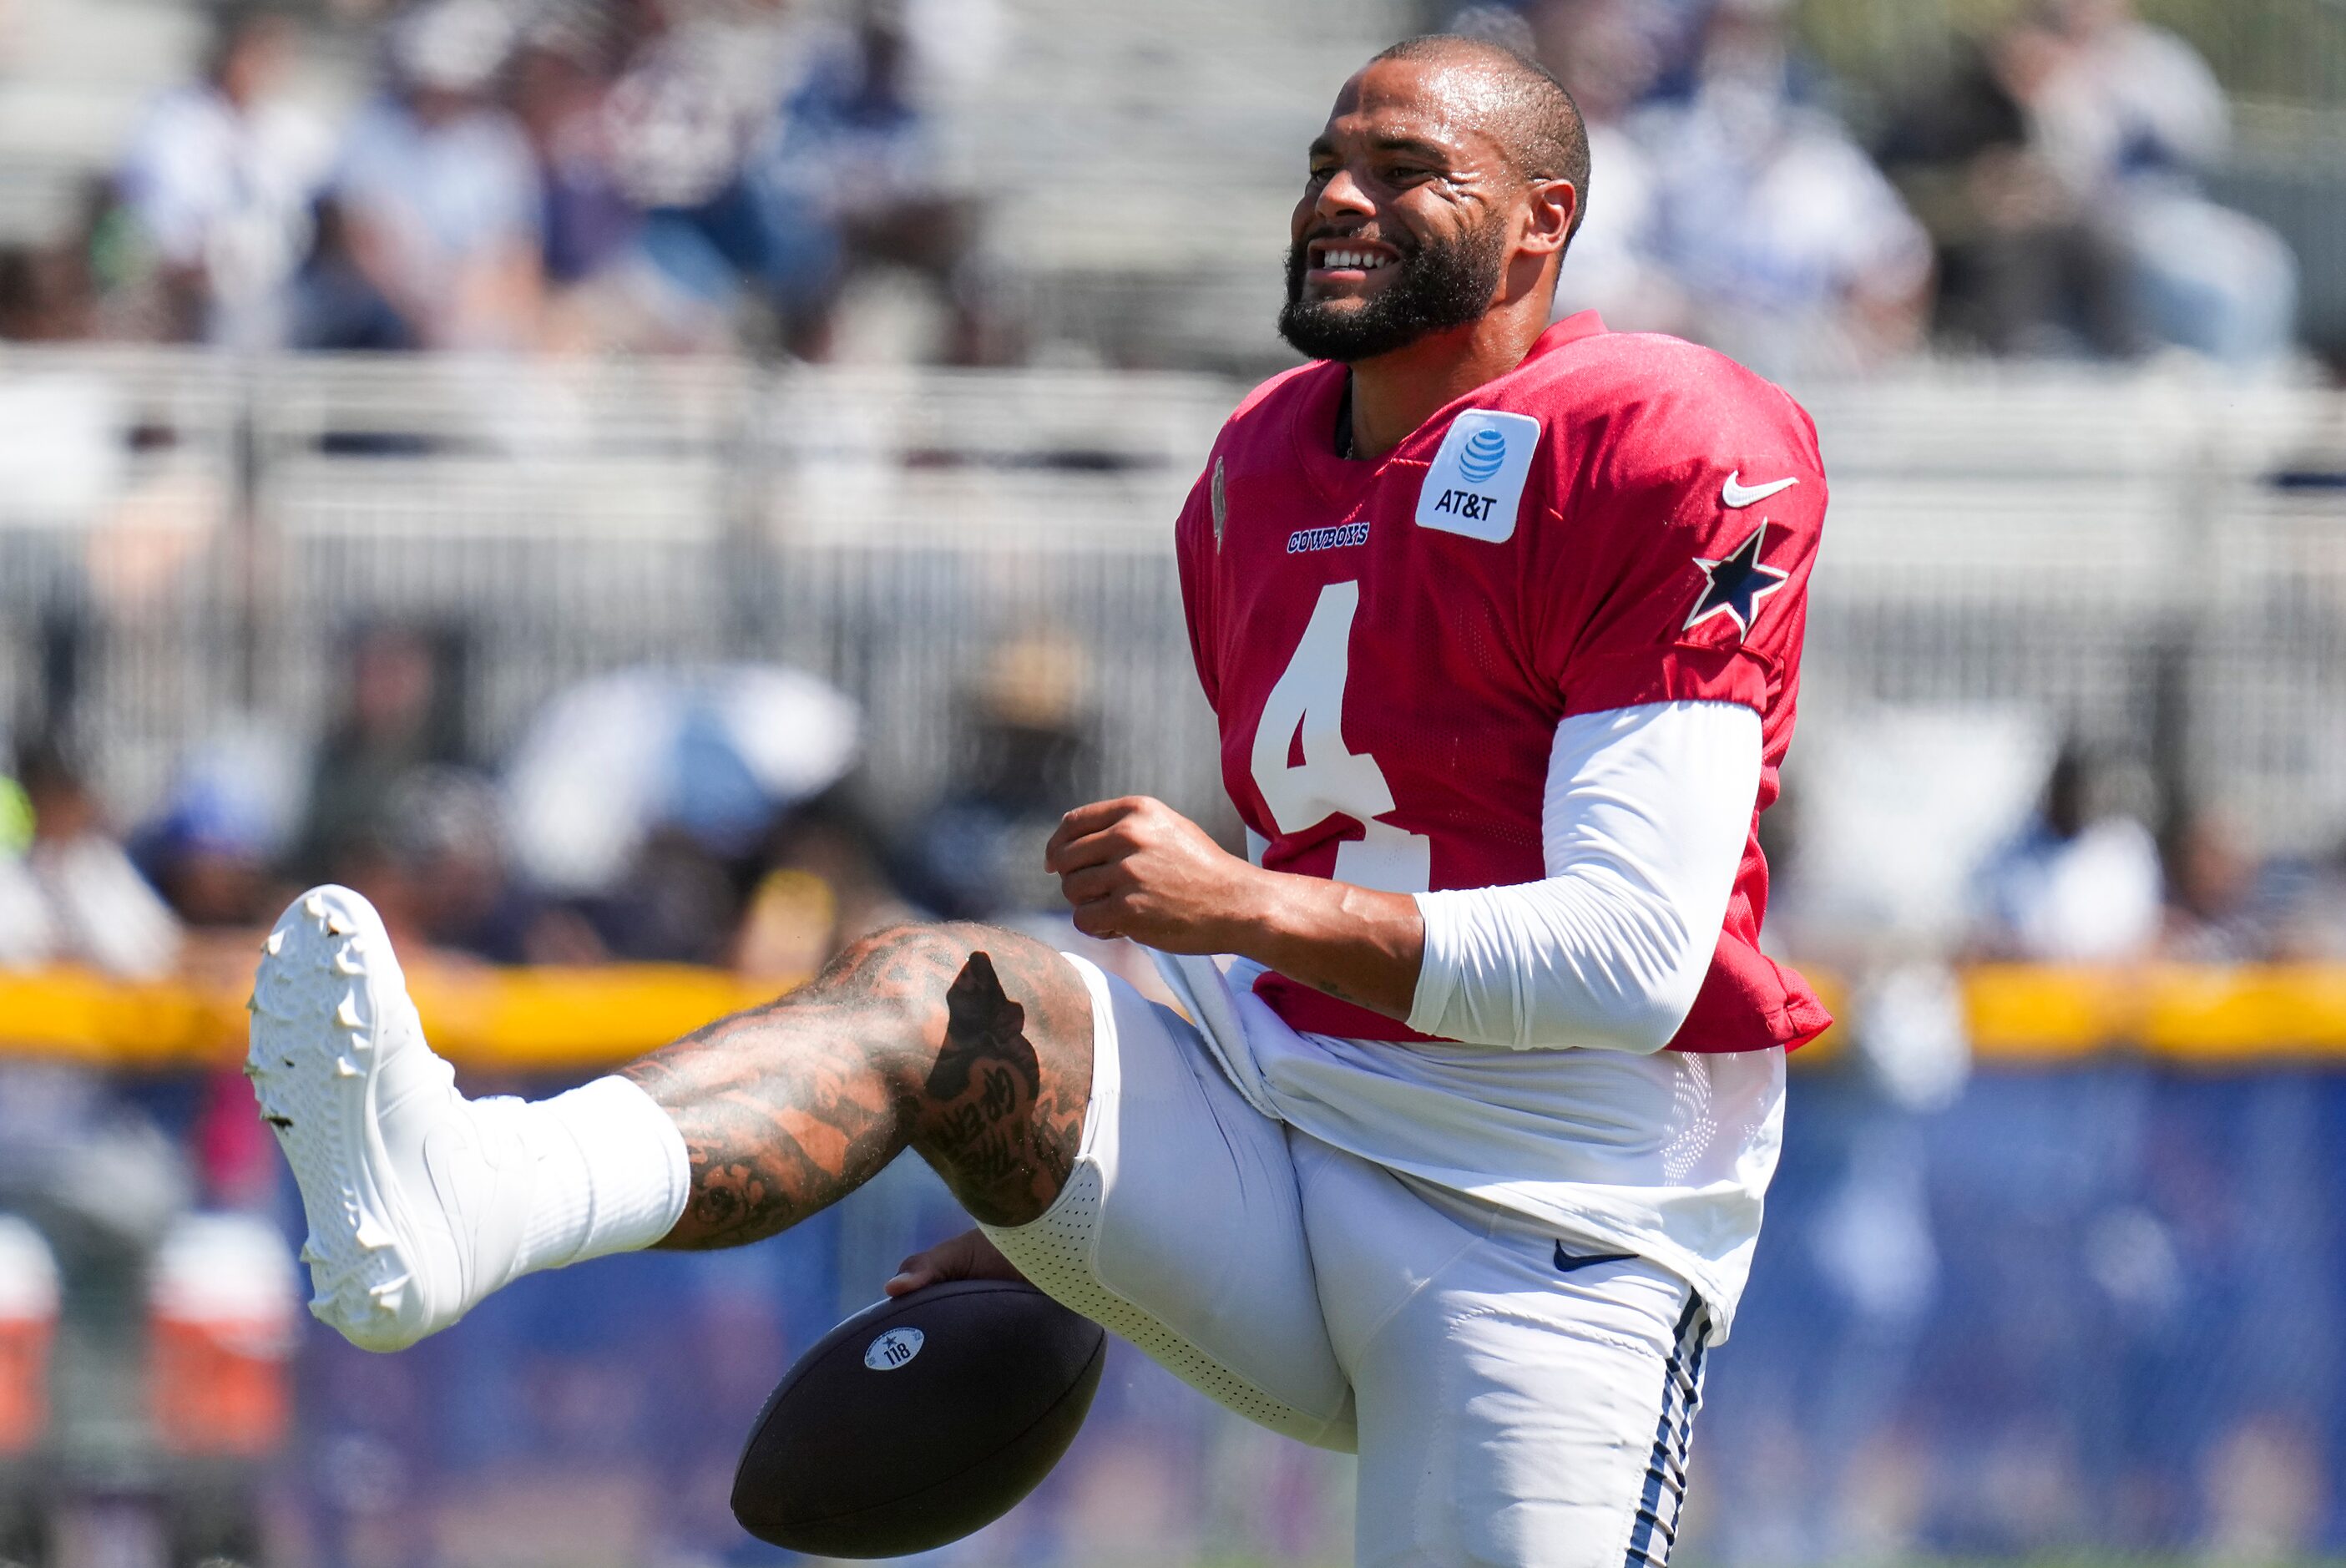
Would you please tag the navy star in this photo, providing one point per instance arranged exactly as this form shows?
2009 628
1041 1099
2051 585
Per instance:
1734 586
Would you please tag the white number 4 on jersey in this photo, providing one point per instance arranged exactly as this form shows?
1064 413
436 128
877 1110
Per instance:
1309 698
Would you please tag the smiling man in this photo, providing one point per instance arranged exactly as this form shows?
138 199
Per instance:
1460 1160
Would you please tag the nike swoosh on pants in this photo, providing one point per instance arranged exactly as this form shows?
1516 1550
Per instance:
1566 1262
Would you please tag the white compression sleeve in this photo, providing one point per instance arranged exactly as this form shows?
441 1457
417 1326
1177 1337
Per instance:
1643 825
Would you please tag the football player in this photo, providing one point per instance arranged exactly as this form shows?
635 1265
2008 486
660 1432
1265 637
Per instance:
1459 1162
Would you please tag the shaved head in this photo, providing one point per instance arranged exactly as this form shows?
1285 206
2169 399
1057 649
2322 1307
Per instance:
1523 107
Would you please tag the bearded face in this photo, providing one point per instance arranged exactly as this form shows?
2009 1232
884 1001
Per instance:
1411 288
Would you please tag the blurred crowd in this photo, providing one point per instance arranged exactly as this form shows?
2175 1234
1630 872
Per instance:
2087 881
681 175
714 817
719 815
626 175
2046 195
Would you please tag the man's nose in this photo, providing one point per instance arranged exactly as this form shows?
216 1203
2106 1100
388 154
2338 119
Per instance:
1342 197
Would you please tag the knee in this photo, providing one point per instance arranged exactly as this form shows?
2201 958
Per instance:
904 942
903 969
913 970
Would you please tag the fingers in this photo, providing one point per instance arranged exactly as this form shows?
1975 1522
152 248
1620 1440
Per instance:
1087 835
1098 919
1084 821
969 1256
1092 850
1094 883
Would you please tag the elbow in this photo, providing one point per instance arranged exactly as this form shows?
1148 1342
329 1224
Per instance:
1547 967
1632 998
1648 1020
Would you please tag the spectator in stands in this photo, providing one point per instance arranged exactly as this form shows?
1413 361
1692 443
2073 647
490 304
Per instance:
437 187
2024 266
853 155
696 95
2130 119
1608 54
2312 926
26 938
2080 884
2220 907
1023 758
823 880
95 907
560 73
57 291
1794 252
399 713
678 903
208 854
221 176
336 304
443 880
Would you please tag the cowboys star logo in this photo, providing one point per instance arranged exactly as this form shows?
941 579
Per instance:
1734 584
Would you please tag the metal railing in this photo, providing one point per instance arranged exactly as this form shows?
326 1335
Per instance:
2153 561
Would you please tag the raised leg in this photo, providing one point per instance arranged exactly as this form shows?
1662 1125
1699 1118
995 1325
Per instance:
970 1045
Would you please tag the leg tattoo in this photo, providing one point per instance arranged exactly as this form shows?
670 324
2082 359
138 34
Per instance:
969 1044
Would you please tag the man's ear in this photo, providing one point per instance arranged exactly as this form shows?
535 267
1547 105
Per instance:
1555 204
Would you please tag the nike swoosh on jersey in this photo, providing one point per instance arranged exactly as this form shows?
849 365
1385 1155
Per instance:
1736 494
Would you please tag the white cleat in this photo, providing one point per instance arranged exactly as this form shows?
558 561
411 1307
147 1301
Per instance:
415 1196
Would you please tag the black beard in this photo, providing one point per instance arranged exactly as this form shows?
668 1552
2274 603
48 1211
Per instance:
1434 288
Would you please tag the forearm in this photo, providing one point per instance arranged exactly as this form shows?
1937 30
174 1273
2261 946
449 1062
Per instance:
1355 944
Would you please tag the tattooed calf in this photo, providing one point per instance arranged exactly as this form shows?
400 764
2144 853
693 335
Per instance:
911 1037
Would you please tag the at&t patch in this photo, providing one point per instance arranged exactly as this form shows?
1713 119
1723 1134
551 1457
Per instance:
1476 483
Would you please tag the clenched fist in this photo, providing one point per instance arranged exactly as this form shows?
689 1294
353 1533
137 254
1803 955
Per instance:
1136 868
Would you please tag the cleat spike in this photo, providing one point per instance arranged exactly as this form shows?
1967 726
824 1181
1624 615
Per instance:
314 907
347 1015
275 944
338 926
345 1068
345 964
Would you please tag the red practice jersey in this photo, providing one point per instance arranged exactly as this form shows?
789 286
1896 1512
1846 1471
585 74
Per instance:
1389 646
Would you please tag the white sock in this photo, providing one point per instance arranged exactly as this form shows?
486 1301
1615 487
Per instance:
612 1174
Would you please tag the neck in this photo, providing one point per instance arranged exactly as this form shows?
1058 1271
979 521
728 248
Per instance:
1394 393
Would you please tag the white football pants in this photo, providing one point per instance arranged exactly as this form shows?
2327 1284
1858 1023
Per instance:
1512 1403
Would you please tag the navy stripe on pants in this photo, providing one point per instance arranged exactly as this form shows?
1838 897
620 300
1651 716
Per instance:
1665 1488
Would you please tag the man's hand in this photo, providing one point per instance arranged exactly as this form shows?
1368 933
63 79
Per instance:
969 1256
1136 868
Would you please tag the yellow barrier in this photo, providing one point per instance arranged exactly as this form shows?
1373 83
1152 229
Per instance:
568 1019
507 1018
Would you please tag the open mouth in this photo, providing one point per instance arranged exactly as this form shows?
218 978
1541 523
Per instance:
1348 261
